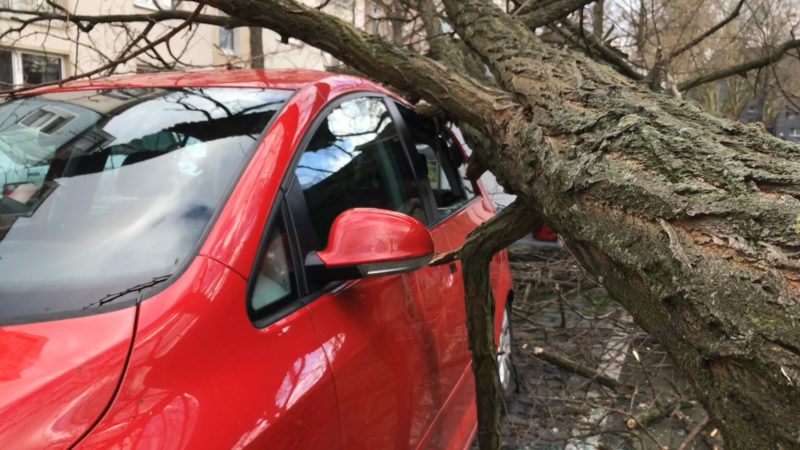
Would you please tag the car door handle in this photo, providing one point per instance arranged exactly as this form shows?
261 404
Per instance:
453 267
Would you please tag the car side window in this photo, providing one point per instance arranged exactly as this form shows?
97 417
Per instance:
274 282
355 159
442 163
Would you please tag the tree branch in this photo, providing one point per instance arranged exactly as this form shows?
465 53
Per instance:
569 365
87 22
606 53
535 15
165 38
708 32
465 97
482 244
742 68
132 44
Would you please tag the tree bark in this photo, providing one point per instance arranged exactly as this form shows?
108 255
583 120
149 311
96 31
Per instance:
598 13
256 48
691 221
482 244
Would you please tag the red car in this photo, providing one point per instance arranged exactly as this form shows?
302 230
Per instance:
233 259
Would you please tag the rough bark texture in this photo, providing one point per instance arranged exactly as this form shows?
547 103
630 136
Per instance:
692 222
598 13
256 48
482 244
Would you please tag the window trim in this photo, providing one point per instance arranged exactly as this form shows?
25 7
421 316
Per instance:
423 180
226 50
44 7
296 200
423 185
283 307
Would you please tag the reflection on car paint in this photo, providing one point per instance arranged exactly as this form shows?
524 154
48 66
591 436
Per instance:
370 363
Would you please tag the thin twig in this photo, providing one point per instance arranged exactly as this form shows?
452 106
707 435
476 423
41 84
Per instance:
117 62
694 433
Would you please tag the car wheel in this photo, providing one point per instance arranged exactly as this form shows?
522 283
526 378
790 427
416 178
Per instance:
505 361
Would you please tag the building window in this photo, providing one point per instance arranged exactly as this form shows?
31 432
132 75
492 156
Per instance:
30 5
6 71
38 69
23 68
154 4
226 40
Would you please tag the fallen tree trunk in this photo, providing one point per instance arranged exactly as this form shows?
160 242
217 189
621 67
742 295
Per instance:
692 222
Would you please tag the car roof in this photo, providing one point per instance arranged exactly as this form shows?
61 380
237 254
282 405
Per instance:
255 78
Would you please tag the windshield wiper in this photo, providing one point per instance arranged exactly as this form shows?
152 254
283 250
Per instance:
139 287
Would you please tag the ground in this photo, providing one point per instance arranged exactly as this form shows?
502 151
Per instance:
588 377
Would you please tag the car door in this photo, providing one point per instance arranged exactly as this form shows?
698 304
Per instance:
376 332
457 210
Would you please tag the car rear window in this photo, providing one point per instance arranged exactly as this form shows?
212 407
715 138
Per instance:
107 192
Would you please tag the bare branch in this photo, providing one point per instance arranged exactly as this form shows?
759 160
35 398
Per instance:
376 57
132 44
323 4
742 68
535 16
165 38
439 43
608 54
677 52
598 10
87 22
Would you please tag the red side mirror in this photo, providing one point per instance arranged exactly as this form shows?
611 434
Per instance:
367 241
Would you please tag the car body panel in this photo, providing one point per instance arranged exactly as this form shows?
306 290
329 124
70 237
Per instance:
201 376
456 423
458 226
56 378
234 239
380 348
271 79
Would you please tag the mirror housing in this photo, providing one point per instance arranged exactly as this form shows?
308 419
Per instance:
366 242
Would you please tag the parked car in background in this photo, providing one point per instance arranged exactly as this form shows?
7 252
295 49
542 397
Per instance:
233 259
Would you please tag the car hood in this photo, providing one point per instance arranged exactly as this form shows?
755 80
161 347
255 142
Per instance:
58 377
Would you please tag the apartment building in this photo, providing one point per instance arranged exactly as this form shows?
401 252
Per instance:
48 51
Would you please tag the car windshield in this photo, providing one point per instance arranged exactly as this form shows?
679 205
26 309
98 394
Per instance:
107 192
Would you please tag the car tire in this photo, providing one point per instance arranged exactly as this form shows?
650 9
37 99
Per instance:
506 369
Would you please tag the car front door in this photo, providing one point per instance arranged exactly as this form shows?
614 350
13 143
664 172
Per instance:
377 334
457 211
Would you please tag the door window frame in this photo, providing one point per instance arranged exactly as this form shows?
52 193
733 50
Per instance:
422 179
290 207
308 239
279 213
